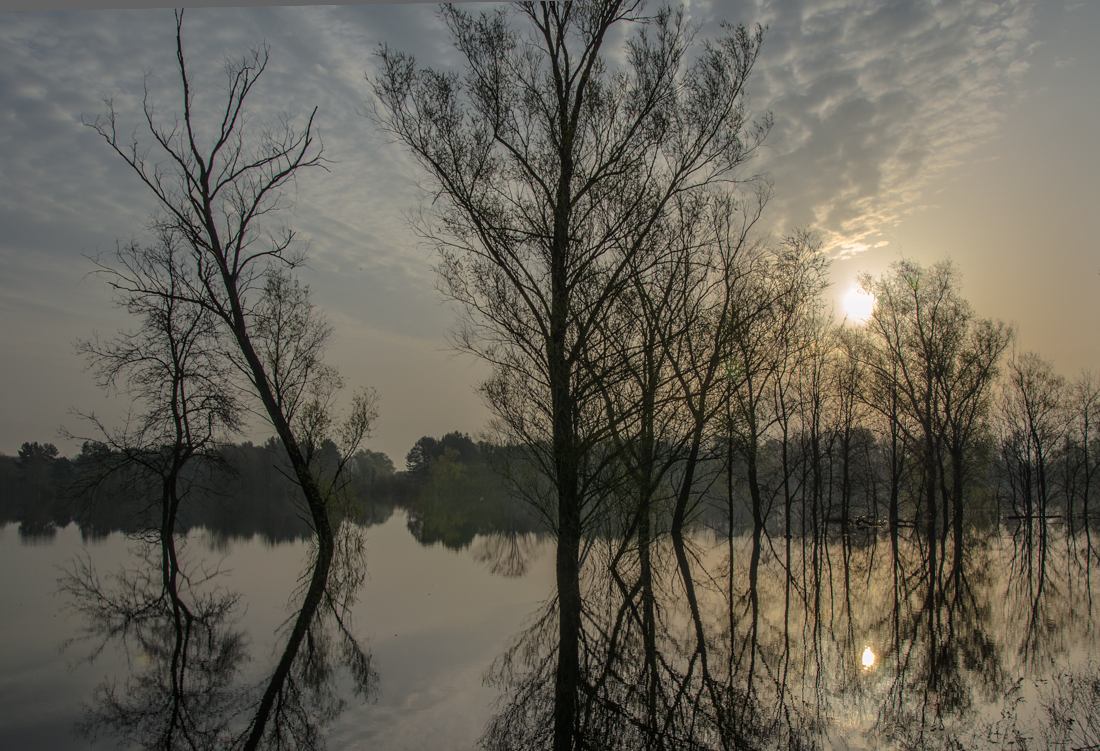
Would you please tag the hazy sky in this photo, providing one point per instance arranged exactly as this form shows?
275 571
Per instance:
927 129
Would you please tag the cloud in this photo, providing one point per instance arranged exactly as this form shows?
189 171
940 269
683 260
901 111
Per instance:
66 193
874 99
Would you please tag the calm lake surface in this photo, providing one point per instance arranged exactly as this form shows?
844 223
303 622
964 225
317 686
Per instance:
432 619
839 641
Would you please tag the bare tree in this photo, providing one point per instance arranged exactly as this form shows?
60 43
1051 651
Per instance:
777 288
221 182
967 385
549 171
174 369
1033 424
1080 463
918 327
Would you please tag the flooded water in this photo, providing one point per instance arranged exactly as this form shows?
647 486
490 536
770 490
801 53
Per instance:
432 620
717 640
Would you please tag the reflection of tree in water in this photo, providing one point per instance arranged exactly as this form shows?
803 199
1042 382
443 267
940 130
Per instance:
1049 591
959 641
945 658
456 501
188 647
1048 625
300 699
647 678
187 688
681 649
508 554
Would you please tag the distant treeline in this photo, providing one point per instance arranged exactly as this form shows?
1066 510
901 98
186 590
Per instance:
448 491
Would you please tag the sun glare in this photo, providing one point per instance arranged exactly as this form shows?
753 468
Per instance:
868 658
858 306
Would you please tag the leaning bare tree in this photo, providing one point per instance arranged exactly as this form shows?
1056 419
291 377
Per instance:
550 167
221 182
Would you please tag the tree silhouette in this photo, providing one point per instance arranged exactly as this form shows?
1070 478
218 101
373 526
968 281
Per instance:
551 173
220 193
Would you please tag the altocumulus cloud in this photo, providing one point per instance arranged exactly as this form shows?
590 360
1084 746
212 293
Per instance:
871 98
874 98
65 192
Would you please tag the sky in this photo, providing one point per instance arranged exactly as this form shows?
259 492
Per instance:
919 129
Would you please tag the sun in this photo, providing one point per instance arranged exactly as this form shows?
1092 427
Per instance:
858 305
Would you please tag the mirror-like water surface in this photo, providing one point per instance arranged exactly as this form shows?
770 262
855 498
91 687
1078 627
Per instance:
833 641
432 621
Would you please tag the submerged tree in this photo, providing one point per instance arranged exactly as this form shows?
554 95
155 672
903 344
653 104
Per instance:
778 290
221 180
1082 399
551 169
174 369
934 365
189 690
1033 426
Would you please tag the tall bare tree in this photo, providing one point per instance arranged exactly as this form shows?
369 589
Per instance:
967 385
1082 402
777 288
550 168
1033 424
221 182
932 366
918 326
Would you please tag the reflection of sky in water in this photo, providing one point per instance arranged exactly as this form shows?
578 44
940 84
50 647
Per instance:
40 695
433 619
988 633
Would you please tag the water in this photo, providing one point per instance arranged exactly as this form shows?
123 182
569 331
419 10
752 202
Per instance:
769 647
432 620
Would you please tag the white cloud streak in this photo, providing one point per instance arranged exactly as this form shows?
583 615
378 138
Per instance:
873 99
